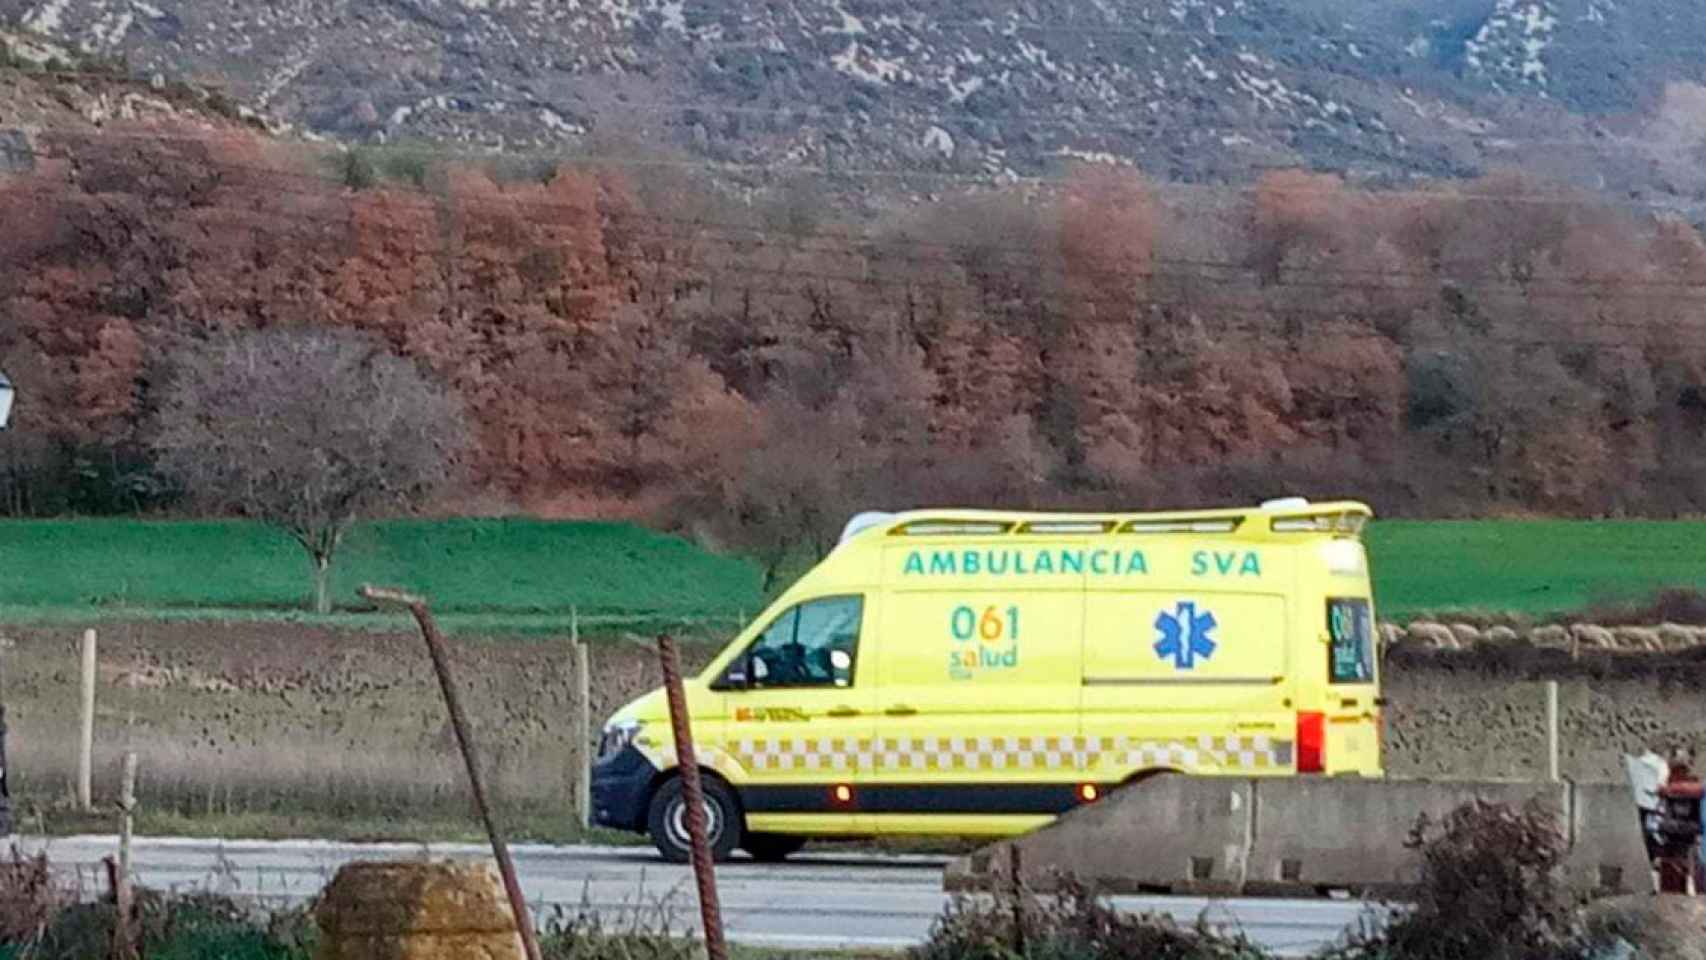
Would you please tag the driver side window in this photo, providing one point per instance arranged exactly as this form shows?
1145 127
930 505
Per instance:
814 644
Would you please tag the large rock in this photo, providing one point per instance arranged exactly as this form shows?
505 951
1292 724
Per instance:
1649 927
416 911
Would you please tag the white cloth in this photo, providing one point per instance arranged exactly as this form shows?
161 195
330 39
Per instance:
1647 773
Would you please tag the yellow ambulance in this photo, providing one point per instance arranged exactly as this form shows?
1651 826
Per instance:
978 673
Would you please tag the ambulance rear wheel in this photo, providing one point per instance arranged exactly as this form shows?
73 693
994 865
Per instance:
771 847
667 820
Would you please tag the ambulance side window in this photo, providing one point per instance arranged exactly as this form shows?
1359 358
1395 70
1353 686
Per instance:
814 644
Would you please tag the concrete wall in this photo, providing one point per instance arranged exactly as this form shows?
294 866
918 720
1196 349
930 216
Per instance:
1182 833
1481 714
1313 834
1607 853
1226 836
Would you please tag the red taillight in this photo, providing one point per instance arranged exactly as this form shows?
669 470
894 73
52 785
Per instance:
1311 742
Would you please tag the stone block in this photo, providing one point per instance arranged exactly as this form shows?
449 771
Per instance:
416 911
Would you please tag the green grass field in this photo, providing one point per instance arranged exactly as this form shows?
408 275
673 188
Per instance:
497 575
524 576
1529 567
260 731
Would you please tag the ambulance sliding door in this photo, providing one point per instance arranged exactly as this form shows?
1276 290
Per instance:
978 693
1188 671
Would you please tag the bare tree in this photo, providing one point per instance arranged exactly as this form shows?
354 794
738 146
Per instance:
307 431
784 499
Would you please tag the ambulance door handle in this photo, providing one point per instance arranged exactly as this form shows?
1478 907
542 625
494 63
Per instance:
843 712
900 710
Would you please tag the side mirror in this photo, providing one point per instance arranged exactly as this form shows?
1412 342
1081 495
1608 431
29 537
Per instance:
734 676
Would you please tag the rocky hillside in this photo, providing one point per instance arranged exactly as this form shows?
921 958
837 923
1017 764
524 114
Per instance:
1598 91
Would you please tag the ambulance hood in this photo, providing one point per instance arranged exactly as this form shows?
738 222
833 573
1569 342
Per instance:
646 706
652 709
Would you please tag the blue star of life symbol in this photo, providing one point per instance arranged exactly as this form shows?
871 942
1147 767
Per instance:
1185 636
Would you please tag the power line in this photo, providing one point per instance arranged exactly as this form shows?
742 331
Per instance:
864 247
1158 270
1446 191
1447 195
1213 312
867 245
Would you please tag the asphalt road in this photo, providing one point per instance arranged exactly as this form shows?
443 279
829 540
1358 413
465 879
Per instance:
812 901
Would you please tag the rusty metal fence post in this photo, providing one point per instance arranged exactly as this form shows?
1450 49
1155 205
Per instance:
693 792
459 723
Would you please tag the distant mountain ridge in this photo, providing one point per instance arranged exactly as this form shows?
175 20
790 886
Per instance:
1600 92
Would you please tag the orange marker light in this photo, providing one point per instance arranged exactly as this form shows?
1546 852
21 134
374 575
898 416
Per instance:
843 793
1088 793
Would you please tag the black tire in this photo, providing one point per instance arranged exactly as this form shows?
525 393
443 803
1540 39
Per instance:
667 820
771 847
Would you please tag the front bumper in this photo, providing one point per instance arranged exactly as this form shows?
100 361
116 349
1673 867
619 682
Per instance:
621 788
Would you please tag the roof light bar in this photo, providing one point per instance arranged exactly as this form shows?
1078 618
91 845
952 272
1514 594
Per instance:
936 528
1068 526
1216 525
1348 523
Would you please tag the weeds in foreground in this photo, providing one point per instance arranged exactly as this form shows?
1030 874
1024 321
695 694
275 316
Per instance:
1071 924
1491 888
644 929
30 900
42 917
195 927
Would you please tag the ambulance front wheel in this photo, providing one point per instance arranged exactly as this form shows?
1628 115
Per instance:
667 820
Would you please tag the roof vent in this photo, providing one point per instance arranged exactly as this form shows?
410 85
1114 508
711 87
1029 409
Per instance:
863 522
1286 503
